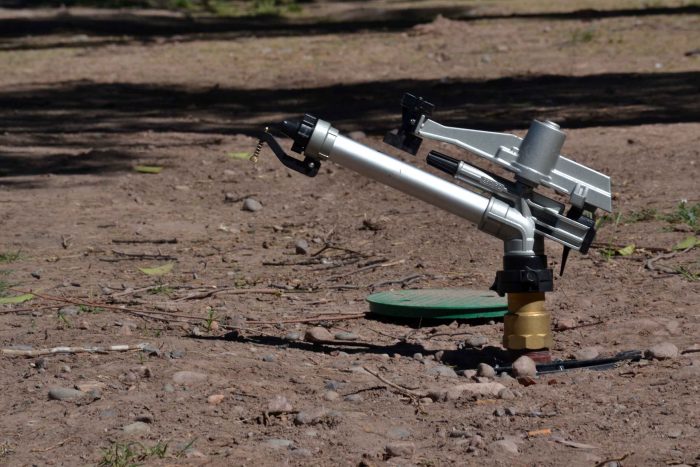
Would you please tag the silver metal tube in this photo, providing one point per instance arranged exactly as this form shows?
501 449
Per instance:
491 215
408 179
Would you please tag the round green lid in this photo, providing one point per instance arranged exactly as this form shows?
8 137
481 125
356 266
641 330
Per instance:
438 304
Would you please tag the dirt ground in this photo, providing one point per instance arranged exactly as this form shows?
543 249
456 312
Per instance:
85 96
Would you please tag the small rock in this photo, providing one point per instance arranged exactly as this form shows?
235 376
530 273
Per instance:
230 198
510 411
310 417
506 394
563 324
400 449
145 418
215 399
663 351
485 371
279 443
357 134
169 388
88 386
65 369
301 247
468 373
292 336
476 341
177 354
347 336
500 412
318 334
252 205
36 274
442 370
586 353
353 398
301 452
70 310
524 366
418 356
189 377
64 394
399 433
504 446
333 385
279 404
331 395
136 428
268 358
674 432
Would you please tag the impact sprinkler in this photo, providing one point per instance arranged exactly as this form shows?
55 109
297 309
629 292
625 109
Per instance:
510 210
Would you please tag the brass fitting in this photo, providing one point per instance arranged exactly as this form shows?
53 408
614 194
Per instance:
527 324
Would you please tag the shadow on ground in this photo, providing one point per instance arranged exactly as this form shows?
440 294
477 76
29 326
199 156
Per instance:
500 104
145 25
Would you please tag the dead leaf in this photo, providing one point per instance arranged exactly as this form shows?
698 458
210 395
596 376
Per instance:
148 169
688 242
159 270
627 251
16 299
239 155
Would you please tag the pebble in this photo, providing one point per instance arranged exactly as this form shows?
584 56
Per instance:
70 310
279 443
64 394
400 449
189 377
586 353
317 334
268 358
468 373
476 341
333 385
292 336
485 371
310 417
176 354
169 388
301 247
418 356
145 418
331 395
279 404
354 398
136 428
563 324
511 411
504 445
506 394
442 370
88 386
36 274
500 412
301 452
674 432
399 432
252 205
357 134
215 399
524 366
347 336
663 351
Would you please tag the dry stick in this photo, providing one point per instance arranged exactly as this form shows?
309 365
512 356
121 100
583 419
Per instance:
36 308
71 350
229 290
154 240
143 255
603 245
368 268
405 391
650 262
58 445
135 291
584 325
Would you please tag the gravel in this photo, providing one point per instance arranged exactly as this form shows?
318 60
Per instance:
663 351
65 394
524 366
251 205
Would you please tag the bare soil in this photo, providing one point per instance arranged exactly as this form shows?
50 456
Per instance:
82 104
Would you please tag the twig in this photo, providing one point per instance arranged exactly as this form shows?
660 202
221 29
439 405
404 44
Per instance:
603 245
615 459
403 281
584 325
143 255
130 291
405 391
72 350
229 290
368 268
650 262
331 246
144 240
58 445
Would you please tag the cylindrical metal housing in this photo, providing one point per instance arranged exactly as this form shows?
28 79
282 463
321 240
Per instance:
539 151
409 179
527 324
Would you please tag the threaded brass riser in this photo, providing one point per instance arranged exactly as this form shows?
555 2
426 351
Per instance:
528 323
